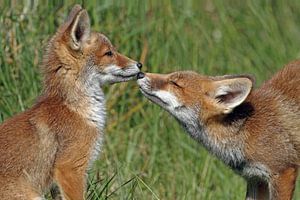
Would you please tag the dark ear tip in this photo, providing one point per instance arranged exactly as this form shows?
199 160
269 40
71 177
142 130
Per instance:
83 12
251 77
248 76
74 11
77 7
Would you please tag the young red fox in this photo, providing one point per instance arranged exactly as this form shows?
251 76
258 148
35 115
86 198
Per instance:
60 136
255 132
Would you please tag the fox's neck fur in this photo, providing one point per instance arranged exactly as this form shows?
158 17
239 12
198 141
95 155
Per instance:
96 100
80 90
223 140
82 95
238 139
96 110
226 138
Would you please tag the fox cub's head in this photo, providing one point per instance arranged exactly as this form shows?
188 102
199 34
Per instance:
188 95
75 54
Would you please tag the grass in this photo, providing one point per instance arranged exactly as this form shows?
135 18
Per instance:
146 154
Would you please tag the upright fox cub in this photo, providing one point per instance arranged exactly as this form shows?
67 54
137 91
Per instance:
60 136
255 132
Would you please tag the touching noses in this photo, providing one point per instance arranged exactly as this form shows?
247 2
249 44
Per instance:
140 75
139 65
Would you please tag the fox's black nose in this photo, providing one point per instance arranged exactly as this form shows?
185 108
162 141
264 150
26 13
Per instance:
140 75
139 65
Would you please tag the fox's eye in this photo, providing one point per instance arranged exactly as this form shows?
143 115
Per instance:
109 53
174 83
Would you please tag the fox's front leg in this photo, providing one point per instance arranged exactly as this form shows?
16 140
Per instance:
55 193
257 190
283 184
71 181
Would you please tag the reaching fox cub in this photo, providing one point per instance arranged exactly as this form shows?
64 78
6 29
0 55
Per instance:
60 136
255 132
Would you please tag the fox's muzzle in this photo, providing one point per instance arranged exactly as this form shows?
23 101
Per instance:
140 75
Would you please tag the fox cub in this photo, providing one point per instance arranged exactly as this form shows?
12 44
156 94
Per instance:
60 136
254 131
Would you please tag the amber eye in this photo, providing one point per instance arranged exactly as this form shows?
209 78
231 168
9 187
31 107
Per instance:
109 53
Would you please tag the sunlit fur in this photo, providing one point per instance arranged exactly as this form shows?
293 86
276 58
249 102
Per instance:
256 133
58 139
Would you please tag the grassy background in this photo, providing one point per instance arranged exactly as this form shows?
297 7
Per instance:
147 155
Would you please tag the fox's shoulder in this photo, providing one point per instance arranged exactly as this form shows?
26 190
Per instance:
279 95
12 123
290 73
286 82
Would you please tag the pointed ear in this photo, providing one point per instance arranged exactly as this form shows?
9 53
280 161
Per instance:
77 27
229 93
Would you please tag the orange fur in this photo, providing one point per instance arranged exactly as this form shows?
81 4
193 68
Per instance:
254 131
58 138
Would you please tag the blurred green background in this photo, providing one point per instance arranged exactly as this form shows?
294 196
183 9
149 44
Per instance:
146 154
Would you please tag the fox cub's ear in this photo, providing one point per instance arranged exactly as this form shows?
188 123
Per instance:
231 92
78 27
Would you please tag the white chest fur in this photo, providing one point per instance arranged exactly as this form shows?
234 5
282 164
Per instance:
256 170
229 150
96 113
98 117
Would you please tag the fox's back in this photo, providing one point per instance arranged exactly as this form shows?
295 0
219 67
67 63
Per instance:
282 93
287 83
15 133
24 145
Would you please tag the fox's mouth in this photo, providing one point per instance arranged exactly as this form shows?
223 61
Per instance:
153 97
126 76
148 92
115 74
166 99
